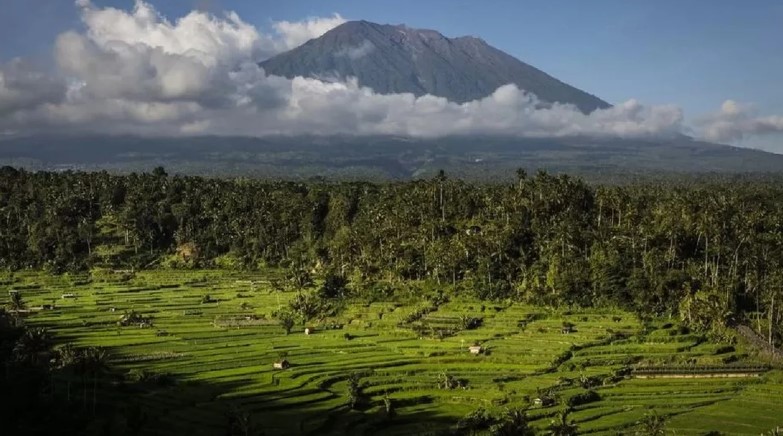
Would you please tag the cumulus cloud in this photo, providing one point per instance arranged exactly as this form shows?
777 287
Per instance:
297 33
330 108
735 121
137 72
22 87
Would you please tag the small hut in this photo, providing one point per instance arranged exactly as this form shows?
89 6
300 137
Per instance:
281 364
309 331
475 349
64 296
544 401
567 328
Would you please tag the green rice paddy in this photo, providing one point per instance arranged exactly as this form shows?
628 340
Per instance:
221 356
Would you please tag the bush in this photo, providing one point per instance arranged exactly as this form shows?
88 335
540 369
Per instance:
584 398
470 323
438 298
334 286
228 261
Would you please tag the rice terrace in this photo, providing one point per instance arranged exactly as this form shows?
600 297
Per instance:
208 350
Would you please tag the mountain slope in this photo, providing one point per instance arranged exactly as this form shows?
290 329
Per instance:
397 59
384 158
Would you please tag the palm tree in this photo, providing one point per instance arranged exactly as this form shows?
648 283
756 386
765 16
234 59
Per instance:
94 363
561 426
514 423
388 404
69 359
32 346
354 390
16 303
652 425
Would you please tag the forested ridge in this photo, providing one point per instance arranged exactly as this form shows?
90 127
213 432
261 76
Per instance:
711 253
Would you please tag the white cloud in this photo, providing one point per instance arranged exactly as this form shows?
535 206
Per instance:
197 35
137 72
736 121
297 33
331 108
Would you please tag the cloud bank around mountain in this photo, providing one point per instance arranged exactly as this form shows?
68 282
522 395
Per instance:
138 72
736 121
294 34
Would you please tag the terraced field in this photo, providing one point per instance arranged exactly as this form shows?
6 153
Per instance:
221 355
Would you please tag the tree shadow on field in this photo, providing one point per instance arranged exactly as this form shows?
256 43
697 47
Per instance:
133 398
200 408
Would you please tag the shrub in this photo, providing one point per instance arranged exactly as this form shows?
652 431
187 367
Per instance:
438 298
469 322
286 320
584 398
588 382
334 286
448 382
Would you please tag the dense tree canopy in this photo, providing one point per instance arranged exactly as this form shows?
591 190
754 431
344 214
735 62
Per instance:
708 252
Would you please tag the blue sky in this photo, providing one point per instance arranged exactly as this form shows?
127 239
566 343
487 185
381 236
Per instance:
694 53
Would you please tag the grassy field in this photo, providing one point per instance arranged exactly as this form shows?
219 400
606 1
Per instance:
221 356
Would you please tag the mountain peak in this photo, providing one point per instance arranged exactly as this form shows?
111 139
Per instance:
401 59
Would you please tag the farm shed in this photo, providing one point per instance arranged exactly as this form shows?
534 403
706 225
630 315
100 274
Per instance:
475 349
281 364
544 401
309 331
